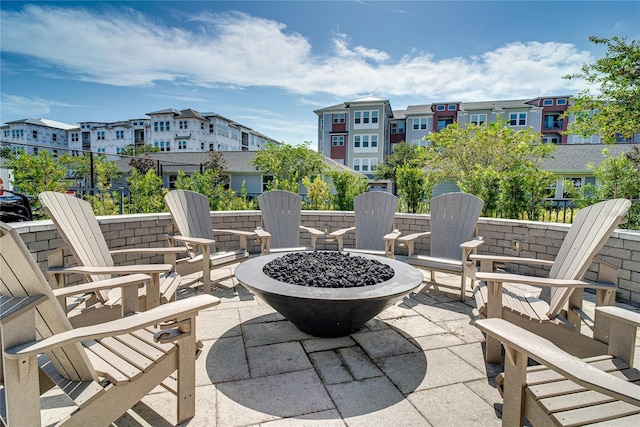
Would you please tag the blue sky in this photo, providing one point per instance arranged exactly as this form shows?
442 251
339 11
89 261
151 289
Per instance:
269 64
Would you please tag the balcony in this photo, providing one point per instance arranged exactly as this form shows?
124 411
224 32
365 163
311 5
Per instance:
183 135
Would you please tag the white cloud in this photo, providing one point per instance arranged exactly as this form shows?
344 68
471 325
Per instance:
236 50
28 106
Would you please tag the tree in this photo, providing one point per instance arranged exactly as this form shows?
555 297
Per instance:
34 173
146 192
319 197
494 162
617 177
288 164
347 185
403 154
615 110
412 186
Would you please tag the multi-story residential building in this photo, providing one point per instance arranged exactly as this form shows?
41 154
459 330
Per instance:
356 133
39 133
341 140
168 130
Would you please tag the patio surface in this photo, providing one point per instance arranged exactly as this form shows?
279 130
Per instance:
419 363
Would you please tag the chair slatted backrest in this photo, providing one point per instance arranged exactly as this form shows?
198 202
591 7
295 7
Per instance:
454 217
589 232
20 276
281 217
79 228
374 215
191 213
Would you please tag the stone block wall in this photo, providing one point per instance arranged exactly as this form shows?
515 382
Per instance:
536 240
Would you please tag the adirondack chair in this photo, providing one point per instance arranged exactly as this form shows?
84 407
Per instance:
565 390
281 227
192 216
542 309
454 217
78 226
105 368
374 216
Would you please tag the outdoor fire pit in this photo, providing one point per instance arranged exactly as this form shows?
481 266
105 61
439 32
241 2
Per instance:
322 303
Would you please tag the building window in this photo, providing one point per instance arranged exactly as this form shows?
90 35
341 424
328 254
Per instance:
357 141
552 121
118 150
356 164
183 124
100 135
167 126
119 134
201 125
337 140
34 134
101 150
374 141
561 101
338 118
357 117
155 126
547 102
420 124
517 119
182 145
374 116
440 108
397 128
478 119
451 107
550 139
266 182
54 137
365 117
75 137
443 122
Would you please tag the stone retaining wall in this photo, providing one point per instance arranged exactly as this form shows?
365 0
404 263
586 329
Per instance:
535 239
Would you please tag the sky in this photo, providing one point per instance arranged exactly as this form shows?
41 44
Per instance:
270 64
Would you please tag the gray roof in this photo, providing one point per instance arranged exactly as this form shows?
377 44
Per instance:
496 105
236 161
574 158
45 123
418 109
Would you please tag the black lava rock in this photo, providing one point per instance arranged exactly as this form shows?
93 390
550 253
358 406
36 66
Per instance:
327 270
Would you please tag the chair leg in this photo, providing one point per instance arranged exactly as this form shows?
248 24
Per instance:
187 376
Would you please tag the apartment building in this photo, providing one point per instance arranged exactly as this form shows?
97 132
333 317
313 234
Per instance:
338 136
356 133
169 130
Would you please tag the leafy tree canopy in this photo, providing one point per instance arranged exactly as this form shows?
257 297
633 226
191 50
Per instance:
615 109
403 154
288 164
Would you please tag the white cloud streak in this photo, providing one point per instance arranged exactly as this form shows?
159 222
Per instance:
22 105
235 50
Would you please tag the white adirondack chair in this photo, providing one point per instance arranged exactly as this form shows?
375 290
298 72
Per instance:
374 217
78 226
565 390
453 223
281 223
41 349
540 304
191 214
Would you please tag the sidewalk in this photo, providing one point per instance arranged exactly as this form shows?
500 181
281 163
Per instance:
419 363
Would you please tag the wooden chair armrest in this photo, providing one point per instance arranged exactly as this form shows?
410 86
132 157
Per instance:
183 308
116 282
517 339
313 231
620 315
341 232
198 241
472 244
236 232
262 234
120 269
511 259
411 237
392 236
530 280
171 250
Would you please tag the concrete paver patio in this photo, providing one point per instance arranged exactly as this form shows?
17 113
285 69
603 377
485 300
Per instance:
419 363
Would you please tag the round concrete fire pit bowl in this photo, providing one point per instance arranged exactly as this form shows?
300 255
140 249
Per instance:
328 312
